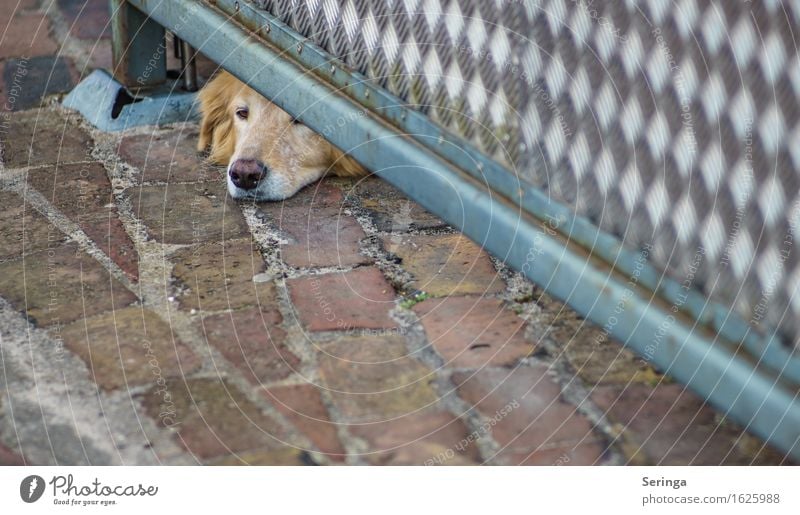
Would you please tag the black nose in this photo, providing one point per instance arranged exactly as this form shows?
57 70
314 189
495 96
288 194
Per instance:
245 173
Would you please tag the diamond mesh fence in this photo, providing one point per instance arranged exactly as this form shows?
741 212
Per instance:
672 124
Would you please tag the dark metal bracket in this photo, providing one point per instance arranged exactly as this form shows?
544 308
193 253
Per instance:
140 92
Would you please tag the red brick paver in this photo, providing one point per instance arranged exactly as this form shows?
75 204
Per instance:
25 35
188 213
39 137
372 379
422 438
360 299
533 425
471 332
83 193
128 347
87 19
446 264
61 285
212 418
303 406
669 425
23 230
252 341
166 157
216 276
320 237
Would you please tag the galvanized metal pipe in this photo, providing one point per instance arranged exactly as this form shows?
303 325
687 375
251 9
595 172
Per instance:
188 67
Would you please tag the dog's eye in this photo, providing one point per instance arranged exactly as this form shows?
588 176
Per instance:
242 113
295 121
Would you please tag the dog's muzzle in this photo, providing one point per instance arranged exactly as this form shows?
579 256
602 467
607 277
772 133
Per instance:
247 173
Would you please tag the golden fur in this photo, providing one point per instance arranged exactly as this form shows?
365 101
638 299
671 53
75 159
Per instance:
292 153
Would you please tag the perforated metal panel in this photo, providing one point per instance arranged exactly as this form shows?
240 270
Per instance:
672 124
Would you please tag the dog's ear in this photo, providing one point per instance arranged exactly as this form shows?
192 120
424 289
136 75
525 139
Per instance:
216 128
344 165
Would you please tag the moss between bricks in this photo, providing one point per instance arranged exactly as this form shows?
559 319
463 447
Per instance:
415 298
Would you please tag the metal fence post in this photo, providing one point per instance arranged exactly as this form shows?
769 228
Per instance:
139 47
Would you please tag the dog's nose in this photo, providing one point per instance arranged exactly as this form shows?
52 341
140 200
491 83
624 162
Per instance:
246 173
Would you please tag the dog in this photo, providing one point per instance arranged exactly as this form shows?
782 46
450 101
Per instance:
269 155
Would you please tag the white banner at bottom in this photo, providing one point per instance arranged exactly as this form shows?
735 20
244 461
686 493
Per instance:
401 490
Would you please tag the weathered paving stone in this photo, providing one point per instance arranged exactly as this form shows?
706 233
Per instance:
360 298
66 445
473 332
288 456
319 237
188 213
533 425
371 378
25 35
558 456
111 237
87 19
9 457
42 76
390 210
302 405
129 347
446 264
212 418
594 355
61 285
602 361
41 137
74 189
423 438
168 157
217 276
23 230
669 425
252 341
320 233
83 193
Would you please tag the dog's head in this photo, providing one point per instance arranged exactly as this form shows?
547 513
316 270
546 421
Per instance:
269 155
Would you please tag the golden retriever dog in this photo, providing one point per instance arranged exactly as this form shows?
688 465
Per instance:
269 155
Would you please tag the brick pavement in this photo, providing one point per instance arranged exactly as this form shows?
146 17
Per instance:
146 318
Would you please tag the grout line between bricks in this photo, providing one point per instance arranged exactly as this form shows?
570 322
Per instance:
416 340
158 293
265 238
420 348
70 229
575 392
78 50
